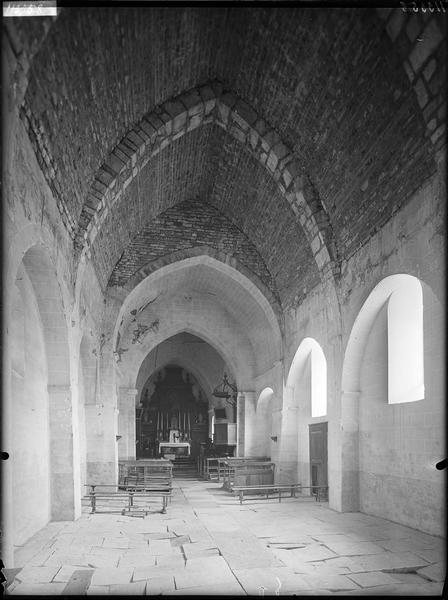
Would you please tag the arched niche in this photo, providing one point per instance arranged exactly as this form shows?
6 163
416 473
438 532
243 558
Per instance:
392 405
306 394
40 412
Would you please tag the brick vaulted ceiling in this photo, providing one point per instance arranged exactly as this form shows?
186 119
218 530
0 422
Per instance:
330 83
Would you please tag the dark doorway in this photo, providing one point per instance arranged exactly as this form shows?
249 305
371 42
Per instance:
318 454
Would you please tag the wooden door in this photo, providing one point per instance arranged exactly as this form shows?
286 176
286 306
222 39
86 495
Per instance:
318 454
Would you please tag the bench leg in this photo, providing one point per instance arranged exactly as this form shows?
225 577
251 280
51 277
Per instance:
92 502
164 505
241 495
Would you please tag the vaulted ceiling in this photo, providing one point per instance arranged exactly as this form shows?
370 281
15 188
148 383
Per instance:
329 83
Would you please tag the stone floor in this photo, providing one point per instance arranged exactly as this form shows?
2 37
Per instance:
208 544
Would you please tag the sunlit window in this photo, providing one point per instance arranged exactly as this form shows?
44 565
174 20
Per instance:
405 341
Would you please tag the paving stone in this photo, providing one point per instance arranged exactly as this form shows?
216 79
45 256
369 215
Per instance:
372 579
109 576
203 577
38 589
332 538
220 523
431 555
227 589
409 578
324 567
59 559
67 571
37 574
99 561
158 547
331 582
244 551
160 585
354 548
171 561
115 543
160 536
193 549
199 535
388 561
128 589
79 582
300 555
40 558
271 580
98 590
137 560
436 572
179 541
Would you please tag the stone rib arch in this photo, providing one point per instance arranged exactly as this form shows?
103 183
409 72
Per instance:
235 361
224 272
222 257
184 363
209 103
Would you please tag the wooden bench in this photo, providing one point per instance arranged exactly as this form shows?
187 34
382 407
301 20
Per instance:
250 473
147 477
318 492
210 470
225 464
112 499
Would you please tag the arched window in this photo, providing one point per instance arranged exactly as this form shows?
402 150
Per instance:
402 297
405 341
310 356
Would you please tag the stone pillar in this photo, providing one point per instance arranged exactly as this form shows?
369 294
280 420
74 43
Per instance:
287 466
249 424
240 409
101 442
102 425
7 471
65 497
349 445
126 423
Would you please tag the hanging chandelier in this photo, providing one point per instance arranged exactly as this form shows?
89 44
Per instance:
226 390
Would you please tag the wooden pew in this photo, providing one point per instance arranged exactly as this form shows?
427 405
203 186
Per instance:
138 480
225 463
210 468
246 473
111 499
266 491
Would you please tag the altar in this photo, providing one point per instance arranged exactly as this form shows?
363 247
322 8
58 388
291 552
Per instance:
174 448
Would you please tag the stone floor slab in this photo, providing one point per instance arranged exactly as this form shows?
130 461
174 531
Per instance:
128 589
160 585
66 572
37 574
436 572
305 535
104 576
372 579
354 548
38 589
